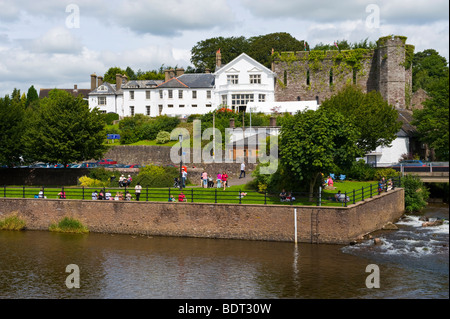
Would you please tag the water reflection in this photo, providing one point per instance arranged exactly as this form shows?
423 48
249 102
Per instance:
33 263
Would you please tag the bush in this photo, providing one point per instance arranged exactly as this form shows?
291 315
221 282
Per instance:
69 225
361 171
12 222
156 176
104 175
163 137
416 194
110 118
91 182
386 173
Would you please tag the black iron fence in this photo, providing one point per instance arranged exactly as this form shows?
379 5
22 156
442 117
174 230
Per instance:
204 195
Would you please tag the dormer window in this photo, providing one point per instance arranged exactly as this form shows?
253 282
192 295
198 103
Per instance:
255 78
102 88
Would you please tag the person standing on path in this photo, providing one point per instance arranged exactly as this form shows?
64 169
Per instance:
205 179
242 170
137 191
224 180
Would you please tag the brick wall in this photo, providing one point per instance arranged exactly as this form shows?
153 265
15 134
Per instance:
337 225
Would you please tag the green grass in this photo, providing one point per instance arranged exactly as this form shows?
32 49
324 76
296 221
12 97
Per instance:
202 195
12 222
143 142
69 225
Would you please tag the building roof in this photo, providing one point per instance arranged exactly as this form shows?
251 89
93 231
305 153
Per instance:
75 92
198 80
105 89
405 116
141 84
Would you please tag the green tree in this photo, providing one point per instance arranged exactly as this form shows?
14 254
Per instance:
376 120
428 68
12 128
203 54
416 194
261 46
110 75
65 130
32 98
432 122
313 142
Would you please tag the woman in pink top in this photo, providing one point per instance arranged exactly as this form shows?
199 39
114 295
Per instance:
205 179
224 180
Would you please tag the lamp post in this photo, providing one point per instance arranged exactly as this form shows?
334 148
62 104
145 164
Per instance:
180 138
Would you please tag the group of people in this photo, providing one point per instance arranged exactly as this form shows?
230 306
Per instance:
286 197
384 185
208 181
124 181
107 195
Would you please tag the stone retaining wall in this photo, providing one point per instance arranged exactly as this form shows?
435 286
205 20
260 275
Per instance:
336 225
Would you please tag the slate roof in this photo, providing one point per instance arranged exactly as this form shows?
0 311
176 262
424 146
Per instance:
198 80
110 89
405 116
141 84
84 92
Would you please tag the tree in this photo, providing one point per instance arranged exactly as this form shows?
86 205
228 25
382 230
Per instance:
110 75
12 127
432 121
64 130
203 54
260 47
428 68
32 98
313 142
376 120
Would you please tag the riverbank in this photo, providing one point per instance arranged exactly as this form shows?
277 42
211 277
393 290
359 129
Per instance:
314 224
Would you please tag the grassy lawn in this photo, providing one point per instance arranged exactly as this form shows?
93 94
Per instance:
202 195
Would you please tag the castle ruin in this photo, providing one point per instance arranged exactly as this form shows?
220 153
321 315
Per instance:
317 75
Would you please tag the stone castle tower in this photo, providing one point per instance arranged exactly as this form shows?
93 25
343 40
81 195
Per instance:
318 75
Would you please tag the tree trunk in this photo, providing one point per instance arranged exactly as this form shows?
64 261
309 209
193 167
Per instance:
312 183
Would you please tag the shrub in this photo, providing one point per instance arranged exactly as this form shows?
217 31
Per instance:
163 137
104 175
386 173
12 222
416 194
156 176
361 171
69 225
91 182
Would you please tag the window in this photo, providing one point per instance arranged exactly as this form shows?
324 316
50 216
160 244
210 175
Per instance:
239 101
170 94
224 99
261 98
208 94
132 110
147 95
180 94
102 88
331 77
131 95
307 78
181 105
160 94
255 78
232 79
194 94
102 100
194 105
285 78
160 108
148 110
170 105
208 105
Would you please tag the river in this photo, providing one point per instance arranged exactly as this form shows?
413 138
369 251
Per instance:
412 262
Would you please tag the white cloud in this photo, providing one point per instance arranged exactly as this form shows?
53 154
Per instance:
56 40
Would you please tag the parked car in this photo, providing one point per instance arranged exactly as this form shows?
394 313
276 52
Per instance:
89 165
410 163
107 161
133 166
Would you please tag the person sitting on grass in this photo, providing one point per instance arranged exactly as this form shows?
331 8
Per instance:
181 197
283 195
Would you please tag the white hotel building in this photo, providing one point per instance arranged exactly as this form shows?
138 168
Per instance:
234 85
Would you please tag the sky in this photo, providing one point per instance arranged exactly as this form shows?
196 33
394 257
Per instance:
60 43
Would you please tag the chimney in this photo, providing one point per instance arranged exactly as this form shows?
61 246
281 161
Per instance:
100 80
124 79
167 77
231 122
118 81
93 81
75 88
273 121
179 71
218 59
207 70
171 73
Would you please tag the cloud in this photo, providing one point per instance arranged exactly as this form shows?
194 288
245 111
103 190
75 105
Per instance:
391 11
56 40
172 17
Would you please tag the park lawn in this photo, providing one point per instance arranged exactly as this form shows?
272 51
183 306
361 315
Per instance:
196 194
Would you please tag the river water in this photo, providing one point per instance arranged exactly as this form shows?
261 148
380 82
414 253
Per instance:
412 262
